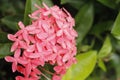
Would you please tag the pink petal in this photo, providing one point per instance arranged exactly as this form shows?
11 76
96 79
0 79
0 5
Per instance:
59 23
17 53
14 46
14 66
66 57
55 77
9 59
45 6
11 37
22 61
34 55
28 69
25 37
21 25
18 33
31 48
39 47
42 35
59 33
22 44
45 26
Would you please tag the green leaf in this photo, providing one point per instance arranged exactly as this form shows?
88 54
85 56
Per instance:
108 3
101 27
11 22
102 65
84 20
3 37
74 3
85 65
5 50
106 48
116 27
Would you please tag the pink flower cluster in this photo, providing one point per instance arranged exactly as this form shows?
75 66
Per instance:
50 39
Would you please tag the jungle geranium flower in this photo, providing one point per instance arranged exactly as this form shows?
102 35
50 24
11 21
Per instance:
50 39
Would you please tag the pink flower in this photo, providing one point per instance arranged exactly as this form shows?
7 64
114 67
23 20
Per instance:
15 60
49 39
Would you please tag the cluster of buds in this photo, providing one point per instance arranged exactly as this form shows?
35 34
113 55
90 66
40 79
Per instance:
49 39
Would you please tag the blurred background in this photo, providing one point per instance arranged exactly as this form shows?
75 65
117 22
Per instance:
94 22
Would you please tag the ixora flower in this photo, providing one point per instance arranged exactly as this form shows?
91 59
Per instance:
50 39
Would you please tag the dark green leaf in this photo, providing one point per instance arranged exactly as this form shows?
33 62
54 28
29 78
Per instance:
3 37
108 3
116 27
5 50
10 22
74 3
84 20
85 65
106 48
101 27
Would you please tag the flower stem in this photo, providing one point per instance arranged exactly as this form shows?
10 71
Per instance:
45 76
46 71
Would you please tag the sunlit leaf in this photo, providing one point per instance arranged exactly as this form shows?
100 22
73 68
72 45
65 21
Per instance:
85 65
106 48
102 65
116 27
84 20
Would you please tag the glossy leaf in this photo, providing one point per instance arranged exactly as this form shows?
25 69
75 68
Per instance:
85 65
106 48
5 49
84 20
108 3
116 27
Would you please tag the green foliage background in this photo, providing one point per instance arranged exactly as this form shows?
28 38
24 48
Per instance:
98 43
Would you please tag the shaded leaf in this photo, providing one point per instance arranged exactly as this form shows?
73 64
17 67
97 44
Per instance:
106 48
108 3
101 27
5 50
85 65
74 3
10 22
3 37
84 20
116 27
